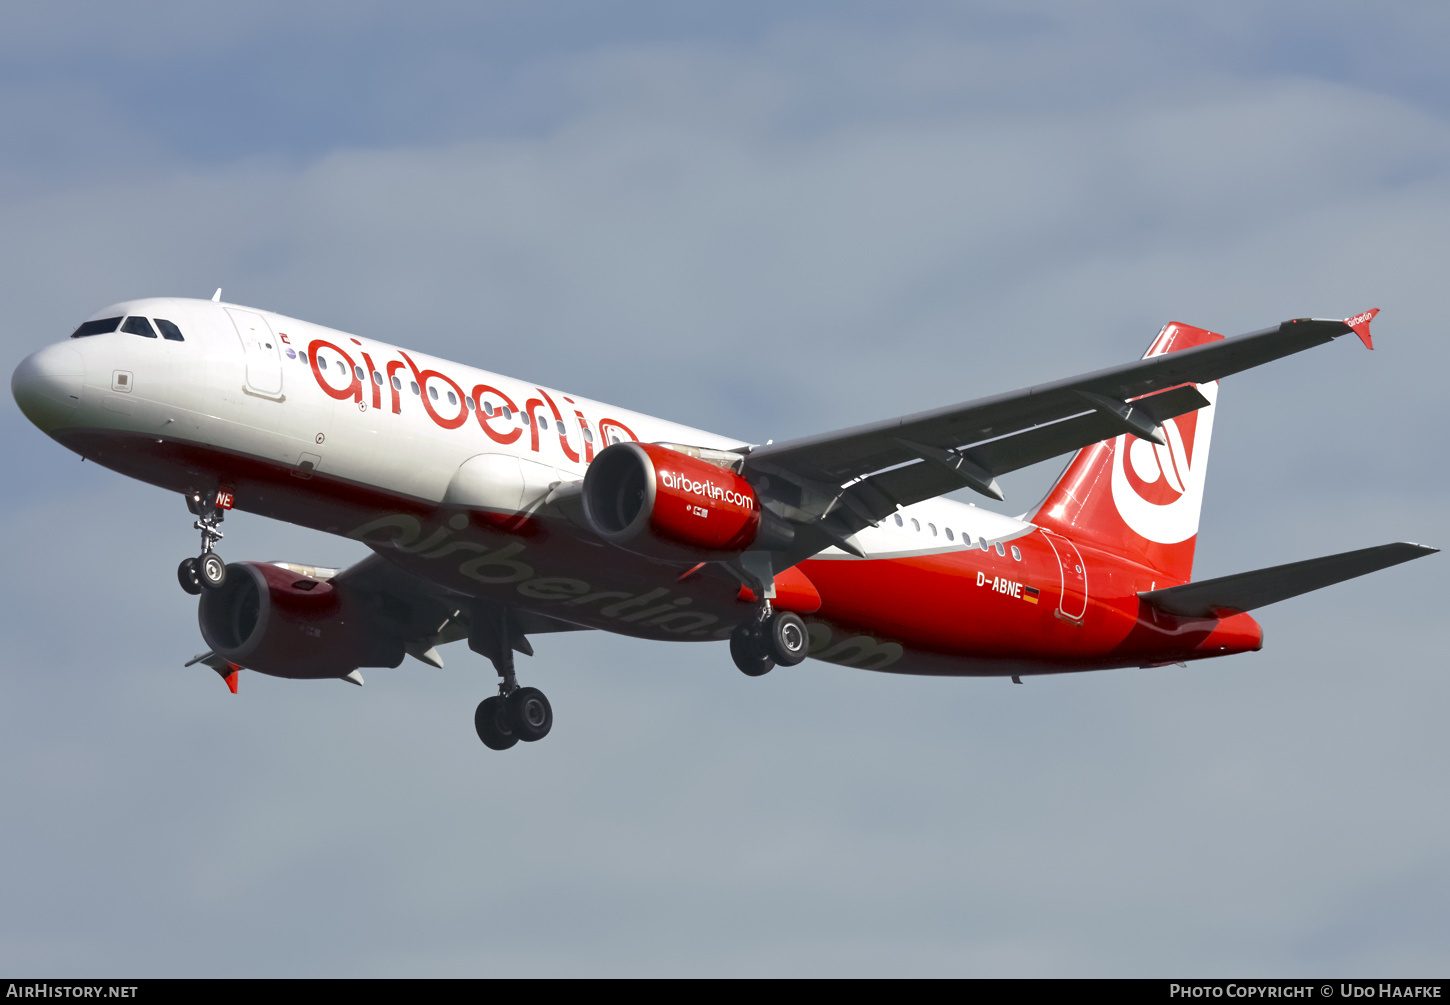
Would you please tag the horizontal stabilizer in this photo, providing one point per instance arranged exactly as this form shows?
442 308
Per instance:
1245 591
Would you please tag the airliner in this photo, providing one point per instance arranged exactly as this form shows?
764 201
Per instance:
497 510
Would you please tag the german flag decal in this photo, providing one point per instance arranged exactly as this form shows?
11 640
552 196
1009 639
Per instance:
1029 593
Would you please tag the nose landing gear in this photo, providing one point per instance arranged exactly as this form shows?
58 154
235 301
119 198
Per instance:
208 571
515 713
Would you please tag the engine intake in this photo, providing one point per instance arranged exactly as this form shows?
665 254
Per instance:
272 620
657 501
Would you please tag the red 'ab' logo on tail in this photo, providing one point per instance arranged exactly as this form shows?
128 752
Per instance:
1158 490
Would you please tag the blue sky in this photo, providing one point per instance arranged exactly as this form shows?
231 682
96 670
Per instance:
769 220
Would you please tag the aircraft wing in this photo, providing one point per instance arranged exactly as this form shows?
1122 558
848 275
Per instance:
834 484
423 614
426 615
1245 591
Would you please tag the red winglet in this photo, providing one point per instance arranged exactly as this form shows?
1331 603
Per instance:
1359 324
231 678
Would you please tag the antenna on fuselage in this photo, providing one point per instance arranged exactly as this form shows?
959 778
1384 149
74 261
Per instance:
216 297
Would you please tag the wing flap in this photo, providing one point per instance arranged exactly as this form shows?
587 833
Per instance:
1245 591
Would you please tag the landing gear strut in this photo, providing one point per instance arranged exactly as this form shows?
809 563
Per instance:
208 571
769 638
515 713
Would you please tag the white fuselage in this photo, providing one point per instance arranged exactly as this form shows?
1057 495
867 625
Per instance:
213 389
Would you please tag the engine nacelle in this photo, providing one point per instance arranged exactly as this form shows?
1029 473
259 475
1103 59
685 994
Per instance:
650 499
270 619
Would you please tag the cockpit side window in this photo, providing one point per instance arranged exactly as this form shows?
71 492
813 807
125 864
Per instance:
169 331
103 327
136 325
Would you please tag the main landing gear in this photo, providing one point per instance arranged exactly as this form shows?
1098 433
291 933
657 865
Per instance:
209 570
769 638
515 713
505 719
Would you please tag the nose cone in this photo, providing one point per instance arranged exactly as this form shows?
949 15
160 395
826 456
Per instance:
47 385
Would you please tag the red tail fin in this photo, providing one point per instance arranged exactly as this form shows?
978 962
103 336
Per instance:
1134 497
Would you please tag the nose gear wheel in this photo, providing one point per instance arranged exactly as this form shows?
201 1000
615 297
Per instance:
211 571
189 578
208 571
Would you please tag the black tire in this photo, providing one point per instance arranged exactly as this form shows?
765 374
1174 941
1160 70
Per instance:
491 721
529 714
187 576
211 571
789 641
748 653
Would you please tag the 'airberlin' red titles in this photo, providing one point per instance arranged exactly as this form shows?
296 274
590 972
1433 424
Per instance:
610 429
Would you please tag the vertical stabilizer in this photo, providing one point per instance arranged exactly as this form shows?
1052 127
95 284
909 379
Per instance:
1135 497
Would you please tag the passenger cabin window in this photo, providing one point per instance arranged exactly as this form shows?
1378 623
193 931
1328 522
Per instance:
169 331
916 525
377 378
588 436
414 385
488 408
303 357
1001 550
468 403
397 384
102 327
433 393
322 362
898 520
452 398
357 372
138 326
949 534
508 414
525 418
932 527
559 425
1016 555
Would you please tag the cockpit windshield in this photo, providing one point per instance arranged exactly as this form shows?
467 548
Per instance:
135 325
102 327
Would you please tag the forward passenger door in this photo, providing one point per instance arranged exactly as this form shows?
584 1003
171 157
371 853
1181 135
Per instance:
263 355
